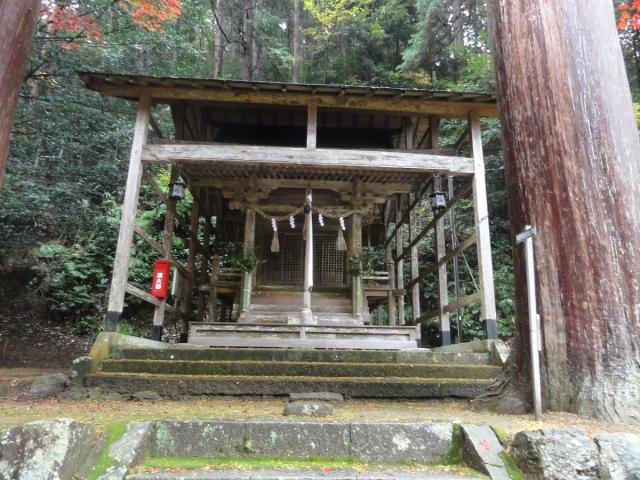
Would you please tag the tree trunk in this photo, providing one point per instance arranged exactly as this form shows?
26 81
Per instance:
572 158
297 40
217 49
247 28
17 23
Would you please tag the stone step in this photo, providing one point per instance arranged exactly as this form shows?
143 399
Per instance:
413 356
277 308
300 369
299 474
357 387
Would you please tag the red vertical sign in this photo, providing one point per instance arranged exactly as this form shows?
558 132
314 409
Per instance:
160 282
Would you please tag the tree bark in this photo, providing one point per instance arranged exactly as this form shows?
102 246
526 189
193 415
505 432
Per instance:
17 24
572 158
297 40
248 43
217 49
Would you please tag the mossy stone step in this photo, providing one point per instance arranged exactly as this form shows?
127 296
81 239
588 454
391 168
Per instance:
357 387
301 369
416 356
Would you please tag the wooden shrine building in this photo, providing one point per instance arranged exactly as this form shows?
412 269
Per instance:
301 177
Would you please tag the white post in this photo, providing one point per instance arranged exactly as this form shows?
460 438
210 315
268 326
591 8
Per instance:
308 262
483 242
526 236
129 207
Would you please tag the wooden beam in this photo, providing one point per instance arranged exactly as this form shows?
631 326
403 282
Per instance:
156 128
443 283
312 125
334 159
204 264
391 268
146 174
463 302
186 307
412 206
481 216
460 194
147 297
381 103
127 221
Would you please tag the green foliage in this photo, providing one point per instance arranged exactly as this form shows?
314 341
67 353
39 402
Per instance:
354 264
246 263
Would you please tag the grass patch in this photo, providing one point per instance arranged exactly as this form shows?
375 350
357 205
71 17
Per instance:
513 471
114 432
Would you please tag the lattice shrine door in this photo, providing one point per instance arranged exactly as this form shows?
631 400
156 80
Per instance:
286 267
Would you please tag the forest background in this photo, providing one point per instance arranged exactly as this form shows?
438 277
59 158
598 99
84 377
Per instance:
60 204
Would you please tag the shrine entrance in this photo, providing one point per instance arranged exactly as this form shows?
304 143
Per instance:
286 267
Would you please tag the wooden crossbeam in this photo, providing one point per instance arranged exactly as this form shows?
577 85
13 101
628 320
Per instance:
413 205
461 193
319 158
463 302
147 297
158 248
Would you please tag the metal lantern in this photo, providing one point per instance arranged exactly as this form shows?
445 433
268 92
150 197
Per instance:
438 201
176 190
177 187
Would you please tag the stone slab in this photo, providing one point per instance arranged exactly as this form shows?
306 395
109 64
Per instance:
317 396
555 454
619 457
425 443
308 409
132 448
481 450
48 450
298 439
198 438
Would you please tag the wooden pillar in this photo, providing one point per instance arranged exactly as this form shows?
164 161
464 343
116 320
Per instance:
391 299
129 207
415 272
441 246
481 216
307 314
249 245
400 263
312 125
356 249
167 237
204 264
186 308
212 301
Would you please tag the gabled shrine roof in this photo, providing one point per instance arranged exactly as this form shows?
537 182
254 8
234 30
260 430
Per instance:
445 103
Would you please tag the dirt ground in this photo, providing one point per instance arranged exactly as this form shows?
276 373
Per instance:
28 337
102 412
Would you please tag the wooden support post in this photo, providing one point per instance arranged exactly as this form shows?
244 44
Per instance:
312 125
204 264
186 308
391 268
307 314
167 237
129 207
249 244
212 301
415 271
356 249
400 263
481 216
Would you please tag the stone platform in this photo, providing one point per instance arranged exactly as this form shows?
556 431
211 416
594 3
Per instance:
275 335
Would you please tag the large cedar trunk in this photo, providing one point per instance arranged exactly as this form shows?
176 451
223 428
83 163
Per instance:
573 171
17 22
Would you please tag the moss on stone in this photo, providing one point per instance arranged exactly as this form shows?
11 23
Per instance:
454 457
113 431
512 470
501 434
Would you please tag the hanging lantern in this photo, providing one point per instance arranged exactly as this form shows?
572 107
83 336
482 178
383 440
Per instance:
438 201
177 188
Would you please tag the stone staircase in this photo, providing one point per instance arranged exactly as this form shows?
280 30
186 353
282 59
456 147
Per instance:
178 371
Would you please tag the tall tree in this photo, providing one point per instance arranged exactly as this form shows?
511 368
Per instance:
572 158
297 40
17 23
